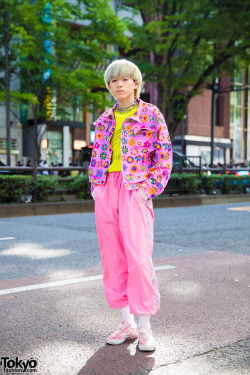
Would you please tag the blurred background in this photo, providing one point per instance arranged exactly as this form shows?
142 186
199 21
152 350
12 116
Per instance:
194 56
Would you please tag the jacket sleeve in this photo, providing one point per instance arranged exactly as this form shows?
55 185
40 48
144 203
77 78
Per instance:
91 177
159 172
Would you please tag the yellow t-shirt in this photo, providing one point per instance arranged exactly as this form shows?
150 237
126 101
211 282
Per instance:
116 165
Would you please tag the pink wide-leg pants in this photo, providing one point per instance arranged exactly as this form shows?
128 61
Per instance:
124 224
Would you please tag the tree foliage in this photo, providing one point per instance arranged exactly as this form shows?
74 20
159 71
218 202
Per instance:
183 44
58 51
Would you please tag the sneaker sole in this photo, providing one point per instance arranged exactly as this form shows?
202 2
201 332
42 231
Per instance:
111 342
147 348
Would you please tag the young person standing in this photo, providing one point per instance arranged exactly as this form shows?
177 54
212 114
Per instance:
131 163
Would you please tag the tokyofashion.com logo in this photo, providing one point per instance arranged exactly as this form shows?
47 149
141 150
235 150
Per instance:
17 365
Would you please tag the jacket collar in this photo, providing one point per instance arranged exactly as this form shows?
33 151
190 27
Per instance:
110 113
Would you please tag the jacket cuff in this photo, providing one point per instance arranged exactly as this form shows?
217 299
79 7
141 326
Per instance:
148 189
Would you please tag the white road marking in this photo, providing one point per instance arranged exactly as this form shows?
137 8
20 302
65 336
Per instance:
164 267
34 251
6 238
65 282
247 208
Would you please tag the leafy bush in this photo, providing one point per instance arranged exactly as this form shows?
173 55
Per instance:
209 184
14 188
44 186
19 189
81 187
231 183
183 183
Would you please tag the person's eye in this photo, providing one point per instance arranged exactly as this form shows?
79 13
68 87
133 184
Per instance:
125 79
113 80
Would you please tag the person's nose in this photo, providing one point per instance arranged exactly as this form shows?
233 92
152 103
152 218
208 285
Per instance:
119 83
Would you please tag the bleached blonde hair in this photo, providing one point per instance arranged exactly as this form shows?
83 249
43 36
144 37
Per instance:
123 68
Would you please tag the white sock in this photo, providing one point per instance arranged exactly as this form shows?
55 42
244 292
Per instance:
127 316
144 321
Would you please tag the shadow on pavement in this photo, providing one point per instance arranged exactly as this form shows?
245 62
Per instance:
120 359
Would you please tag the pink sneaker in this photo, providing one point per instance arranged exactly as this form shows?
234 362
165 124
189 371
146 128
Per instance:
124 332
146 340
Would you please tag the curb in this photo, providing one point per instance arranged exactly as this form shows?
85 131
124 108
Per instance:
59 208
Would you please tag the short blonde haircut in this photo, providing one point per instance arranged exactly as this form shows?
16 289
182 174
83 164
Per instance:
123 68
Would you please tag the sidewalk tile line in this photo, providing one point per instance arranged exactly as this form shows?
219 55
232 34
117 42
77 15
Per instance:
65 282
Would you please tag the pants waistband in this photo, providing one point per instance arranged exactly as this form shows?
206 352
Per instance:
115 177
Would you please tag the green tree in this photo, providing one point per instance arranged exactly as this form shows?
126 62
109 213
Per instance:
58 51
182 44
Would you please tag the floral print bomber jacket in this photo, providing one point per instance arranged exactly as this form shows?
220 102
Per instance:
146 152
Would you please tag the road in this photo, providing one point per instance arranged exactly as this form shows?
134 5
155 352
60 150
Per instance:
53 306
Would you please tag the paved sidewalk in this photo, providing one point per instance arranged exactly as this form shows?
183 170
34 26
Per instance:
201 328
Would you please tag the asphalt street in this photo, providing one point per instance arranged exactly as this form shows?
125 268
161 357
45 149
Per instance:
46 244
53 309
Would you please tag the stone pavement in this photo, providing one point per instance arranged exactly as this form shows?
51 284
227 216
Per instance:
202 327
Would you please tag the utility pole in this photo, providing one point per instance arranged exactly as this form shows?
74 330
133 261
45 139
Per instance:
213 117
7 82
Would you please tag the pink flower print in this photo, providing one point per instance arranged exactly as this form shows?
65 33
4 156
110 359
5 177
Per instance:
161 138
162 155
99 164
124 167
99 172
130 159
134 151
97 145
153 181
165 146
104 147
134 168
158 146
103 155
136 128
124 141
144 185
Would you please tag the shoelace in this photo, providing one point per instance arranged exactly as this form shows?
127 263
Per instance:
145 334
120 328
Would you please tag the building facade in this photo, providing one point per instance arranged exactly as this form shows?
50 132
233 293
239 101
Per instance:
230 119
225 109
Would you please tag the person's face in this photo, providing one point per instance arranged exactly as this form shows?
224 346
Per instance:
123 88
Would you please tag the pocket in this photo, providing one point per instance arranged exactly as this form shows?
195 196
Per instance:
144 127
